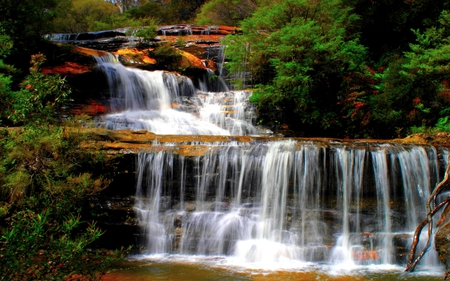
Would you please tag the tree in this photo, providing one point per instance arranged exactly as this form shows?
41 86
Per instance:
225 12
149 9
25 22
180 11
301 55
84 16
382 19
414 87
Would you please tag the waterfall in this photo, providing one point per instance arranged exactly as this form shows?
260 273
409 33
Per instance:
282 202
169 103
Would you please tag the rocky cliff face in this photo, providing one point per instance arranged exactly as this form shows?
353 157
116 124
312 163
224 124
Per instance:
190 50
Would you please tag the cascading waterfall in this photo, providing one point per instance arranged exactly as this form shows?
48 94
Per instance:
272 204
169 103
287 202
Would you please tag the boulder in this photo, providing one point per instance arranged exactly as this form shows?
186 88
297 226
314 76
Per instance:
191 62
134 57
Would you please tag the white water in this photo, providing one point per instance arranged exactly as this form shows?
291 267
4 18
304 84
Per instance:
287 204
168 103
272 205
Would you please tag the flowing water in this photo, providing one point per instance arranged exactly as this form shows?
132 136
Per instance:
287 204
264 210
168 103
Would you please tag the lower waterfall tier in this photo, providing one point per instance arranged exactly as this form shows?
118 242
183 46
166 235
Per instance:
282 202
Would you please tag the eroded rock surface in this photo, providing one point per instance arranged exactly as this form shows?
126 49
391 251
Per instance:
442 244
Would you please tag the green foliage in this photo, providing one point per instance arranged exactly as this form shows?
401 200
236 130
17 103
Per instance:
301 55
180 11
385 25
41 96
430 56
165 12
29 19
307 61
392 106
147 33
180 42
88 15
225 12
146 28
442 125
411 87
36 246
45 176
148 10
5 74
85 15
166 56
25 22
112 22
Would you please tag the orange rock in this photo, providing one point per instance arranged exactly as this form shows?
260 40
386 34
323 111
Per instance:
365 255
68 69
211 65
188 60
230 29
92 109
135 56
90 52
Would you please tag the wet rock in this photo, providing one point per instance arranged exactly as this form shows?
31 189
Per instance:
68 69
99 35
134 57
442 244
191 62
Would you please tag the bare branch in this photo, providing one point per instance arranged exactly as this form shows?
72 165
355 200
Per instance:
428 221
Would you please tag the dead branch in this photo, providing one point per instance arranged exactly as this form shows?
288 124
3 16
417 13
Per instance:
428 221
411 265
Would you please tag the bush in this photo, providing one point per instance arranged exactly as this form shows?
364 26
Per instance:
45 178
166 56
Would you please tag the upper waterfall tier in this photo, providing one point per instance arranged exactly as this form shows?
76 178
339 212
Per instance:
168 103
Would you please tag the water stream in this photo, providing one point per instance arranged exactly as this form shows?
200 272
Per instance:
168 103
289 205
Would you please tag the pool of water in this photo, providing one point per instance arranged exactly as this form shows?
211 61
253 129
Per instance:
146 268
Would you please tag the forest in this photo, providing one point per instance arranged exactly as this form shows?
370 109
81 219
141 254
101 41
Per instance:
339 68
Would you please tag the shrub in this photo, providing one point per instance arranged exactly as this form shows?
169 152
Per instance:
45 178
